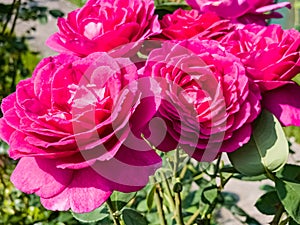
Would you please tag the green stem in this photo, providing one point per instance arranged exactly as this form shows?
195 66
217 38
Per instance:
168 190
159 204
277 215
217 167
8 17
208 213
176 163
183 171
113 211
16 17
193 217
178 202
178 214
270 175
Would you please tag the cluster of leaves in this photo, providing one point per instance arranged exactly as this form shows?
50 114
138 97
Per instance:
19 208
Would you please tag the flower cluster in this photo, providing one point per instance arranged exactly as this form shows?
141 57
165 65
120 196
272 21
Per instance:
195 79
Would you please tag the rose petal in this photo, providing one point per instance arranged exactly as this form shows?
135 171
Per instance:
40 176
128 163
87 191
283 102
5 131
268 8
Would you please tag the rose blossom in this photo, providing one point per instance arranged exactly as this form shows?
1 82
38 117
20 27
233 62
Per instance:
184 24
103 25
271 56
68 125
241 11
208 102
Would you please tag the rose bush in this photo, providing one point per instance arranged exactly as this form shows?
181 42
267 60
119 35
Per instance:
68 125
245 11
102 25
185 24
209 102
271 57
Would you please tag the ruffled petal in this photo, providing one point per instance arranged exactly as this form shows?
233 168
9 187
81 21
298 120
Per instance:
137 165
87 191
284 103
5 131
40 176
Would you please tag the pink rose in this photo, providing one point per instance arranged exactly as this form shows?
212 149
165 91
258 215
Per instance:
271 57
70 127
270 54
185 24
208 102
103 25
244 11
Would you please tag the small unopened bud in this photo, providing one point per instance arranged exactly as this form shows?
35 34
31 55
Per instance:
177 188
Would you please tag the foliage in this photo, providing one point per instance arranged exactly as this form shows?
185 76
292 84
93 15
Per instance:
19 208
78 2
16 59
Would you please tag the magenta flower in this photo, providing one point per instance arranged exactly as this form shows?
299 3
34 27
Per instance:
185 24
103 25
244 11
271 56
208 102
69 126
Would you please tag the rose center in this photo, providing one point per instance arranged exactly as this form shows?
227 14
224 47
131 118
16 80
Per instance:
92 30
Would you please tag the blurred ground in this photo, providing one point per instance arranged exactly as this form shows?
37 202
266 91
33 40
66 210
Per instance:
43 31
248 192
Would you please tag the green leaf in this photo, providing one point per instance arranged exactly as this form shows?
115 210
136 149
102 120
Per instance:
209 194
119 199
268 203
132 217
169 7
150 197
43 19
56 13
98 214
289 194
267 188
267 149
142 206
289 173
292 222
251 178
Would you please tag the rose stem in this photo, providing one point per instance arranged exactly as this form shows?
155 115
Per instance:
159 202
168 189
178 202
113 211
